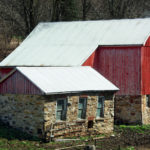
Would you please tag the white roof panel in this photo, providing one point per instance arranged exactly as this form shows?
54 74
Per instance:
52 80
71 43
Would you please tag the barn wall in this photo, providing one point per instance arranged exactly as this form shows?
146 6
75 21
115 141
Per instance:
73 126
122 66
90 60
145 60
18 84
147 43
24 112
131 109
4 71
128 109
36 114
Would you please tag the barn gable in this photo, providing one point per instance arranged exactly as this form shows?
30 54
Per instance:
55 80
71 43
17 83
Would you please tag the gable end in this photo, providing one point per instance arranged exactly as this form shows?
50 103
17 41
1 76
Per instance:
17 83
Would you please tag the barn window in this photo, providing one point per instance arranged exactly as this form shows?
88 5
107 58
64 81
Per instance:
148 100
61 109
100 107
82 108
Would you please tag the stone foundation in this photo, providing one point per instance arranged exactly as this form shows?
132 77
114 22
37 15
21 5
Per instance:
145 111
36 115
131 110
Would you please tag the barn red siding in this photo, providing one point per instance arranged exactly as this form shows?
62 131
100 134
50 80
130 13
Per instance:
145 59
147 43
90 60
4 71
122 66
18 84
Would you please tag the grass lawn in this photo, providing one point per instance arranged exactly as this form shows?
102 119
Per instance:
11 139
145 129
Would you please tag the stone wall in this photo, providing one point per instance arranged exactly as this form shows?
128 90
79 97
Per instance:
36 115
128 109
77 127
145 111
23 112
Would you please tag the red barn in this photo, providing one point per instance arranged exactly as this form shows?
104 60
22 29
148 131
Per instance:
128 68
118 49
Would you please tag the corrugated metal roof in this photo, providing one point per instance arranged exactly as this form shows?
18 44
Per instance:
71 43
52 80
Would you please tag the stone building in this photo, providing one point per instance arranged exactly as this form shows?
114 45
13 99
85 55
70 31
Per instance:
57 101
118 49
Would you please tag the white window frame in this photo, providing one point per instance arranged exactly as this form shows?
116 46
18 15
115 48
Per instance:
64 110
103 107
83 114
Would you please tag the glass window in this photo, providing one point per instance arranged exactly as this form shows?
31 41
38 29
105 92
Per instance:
61 109
100 107
82 108
148 100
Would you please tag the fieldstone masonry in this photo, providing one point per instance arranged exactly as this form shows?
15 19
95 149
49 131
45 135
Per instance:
36 115
145 111
131 110
24 112
75 127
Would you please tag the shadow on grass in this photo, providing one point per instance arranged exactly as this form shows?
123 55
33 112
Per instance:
10 133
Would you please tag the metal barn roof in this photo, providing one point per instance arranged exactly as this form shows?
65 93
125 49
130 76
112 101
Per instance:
54 80
71 43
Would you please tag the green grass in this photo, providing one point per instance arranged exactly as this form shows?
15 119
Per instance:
12 134
128 148
11 139
134 128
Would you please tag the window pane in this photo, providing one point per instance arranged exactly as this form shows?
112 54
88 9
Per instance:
99 104
100 107
83 115
80 105
61 109
98 112
79 113
148 100
60 104
102 113
59 114
81 100
82 108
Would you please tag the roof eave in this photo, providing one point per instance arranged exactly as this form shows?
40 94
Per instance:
120 45
74 92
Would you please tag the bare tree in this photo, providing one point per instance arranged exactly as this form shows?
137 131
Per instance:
24 15
117 8
86 5
65 10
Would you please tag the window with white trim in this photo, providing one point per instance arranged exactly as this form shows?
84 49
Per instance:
100 107
61 109
82 108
